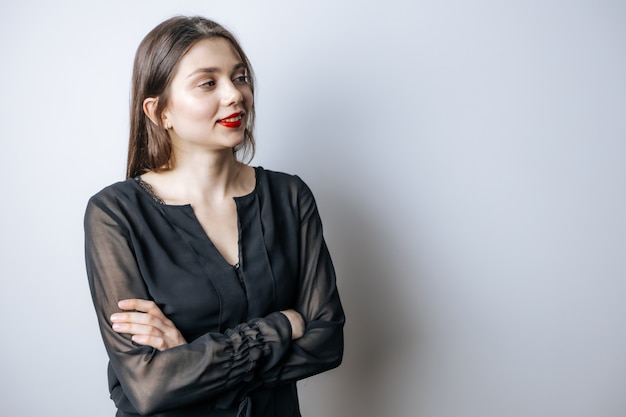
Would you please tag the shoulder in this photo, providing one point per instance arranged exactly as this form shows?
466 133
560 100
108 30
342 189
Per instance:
281 180
117 201
114 193
288 190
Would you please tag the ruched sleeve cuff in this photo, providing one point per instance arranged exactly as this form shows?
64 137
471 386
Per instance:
257 345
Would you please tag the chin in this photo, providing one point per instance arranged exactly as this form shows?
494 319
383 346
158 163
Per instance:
234 140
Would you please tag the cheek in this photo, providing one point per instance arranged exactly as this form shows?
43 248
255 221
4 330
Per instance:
203 109
196 110
202 112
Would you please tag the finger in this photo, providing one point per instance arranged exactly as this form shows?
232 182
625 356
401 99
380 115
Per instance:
155 342
146 306
137 329
139 318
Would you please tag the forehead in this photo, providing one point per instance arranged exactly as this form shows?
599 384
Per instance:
215 53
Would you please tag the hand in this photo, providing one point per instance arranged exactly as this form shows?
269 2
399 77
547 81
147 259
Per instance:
297 323
147 324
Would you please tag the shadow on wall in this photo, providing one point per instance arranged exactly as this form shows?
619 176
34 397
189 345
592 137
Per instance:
373 271
378 334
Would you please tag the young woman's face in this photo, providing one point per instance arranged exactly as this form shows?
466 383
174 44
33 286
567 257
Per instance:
209 98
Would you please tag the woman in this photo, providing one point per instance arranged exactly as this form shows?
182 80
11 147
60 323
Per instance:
211 280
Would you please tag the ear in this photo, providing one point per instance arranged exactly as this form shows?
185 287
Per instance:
150 109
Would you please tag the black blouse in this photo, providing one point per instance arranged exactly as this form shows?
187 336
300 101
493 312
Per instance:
239 359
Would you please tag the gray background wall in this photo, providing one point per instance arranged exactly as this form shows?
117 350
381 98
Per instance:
468 161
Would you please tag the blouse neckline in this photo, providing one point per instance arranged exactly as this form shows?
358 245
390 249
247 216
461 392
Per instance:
147 188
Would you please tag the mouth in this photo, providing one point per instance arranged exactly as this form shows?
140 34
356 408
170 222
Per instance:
233 121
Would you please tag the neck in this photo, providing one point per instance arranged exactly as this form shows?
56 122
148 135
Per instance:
205 177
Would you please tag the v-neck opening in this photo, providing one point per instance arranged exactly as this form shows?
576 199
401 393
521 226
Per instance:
149 191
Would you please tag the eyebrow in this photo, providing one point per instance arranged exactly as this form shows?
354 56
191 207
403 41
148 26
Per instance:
212 70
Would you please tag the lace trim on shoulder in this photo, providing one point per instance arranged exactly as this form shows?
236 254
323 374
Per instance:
148 188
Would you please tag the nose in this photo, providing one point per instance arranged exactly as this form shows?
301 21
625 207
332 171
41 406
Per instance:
231 94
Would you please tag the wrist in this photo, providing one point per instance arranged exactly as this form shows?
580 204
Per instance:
297 323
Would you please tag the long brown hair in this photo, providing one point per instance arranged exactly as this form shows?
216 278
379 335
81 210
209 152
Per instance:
149 145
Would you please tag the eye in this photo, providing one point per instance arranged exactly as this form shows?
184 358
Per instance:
241 79
208 84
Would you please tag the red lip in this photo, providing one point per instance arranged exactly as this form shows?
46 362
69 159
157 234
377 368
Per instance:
233 124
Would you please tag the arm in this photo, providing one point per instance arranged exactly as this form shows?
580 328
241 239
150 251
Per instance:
147 324
154 380
321 346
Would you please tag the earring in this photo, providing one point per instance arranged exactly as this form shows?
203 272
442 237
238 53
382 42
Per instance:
168 126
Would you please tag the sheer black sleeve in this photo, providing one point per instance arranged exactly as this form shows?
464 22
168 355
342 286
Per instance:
321 346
